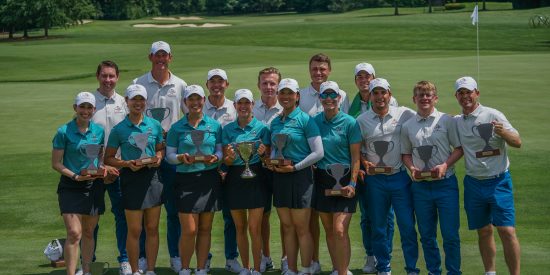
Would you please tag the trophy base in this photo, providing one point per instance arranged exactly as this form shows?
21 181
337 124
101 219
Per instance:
426 175
334 192
99 172
145 161
247 176
58 263
200 158
380 170
488 153
279 162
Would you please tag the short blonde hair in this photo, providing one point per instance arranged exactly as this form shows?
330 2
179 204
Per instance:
426 86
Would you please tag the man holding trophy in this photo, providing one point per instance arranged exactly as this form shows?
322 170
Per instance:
245 187
140 141
388 182
334 201
488 198
430 147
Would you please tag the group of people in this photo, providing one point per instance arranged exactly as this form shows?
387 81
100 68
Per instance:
306 151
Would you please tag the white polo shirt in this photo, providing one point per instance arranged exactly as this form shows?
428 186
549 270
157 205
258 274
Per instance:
310 103
387 128
109 111
437 129
224 115
265 114
486 166
167 96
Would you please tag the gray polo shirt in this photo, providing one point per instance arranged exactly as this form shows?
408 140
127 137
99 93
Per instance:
486 166
310 103
265 114
224 115
167 96
109 111
438 129
387 128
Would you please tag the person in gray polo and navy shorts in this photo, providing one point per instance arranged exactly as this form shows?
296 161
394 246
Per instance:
488 197
80 197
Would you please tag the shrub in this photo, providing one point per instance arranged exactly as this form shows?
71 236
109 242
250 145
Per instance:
454 6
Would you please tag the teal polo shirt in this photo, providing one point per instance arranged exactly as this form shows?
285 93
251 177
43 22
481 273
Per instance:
299 126
121 133
253 131
337 134
179 137
71 141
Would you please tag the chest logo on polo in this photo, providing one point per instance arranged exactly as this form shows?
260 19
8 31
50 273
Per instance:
118 109
292 123
171 92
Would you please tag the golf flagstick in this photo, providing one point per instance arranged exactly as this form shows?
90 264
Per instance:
475 21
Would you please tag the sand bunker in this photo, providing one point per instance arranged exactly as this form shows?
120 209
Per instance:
177 18
170 26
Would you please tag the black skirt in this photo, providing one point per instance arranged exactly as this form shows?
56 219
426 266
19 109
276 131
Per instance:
80 197
198 192
331 204
141 189
294 189
242 193
268 179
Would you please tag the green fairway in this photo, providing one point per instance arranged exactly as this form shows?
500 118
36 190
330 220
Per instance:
39 79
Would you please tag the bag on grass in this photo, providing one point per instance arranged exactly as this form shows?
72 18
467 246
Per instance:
54 250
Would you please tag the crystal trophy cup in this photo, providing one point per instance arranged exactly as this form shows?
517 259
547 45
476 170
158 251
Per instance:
245 150
381 148
337 171
197 138
425 153
280 143
140 141
92 152
159 114
485 132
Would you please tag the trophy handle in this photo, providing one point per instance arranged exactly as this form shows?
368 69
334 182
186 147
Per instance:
475 131
415 152
436 149
371 146
132 140
148 113
392 145
167 114
82 150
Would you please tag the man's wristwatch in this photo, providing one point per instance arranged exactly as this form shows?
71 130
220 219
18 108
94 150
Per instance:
73 177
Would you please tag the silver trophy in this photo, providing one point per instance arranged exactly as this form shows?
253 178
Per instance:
425 153
381 148
280 142
485 132
158 114
337 171
246 149
140 141
197 138
92 152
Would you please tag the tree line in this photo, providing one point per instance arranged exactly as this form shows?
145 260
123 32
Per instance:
25 15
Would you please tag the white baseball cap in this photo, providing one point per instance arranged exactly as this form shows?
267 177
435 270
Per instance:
364 67
243 93
84 97
219 72
193 90
379 82
160 45
465 82
135 90
329 86
288 83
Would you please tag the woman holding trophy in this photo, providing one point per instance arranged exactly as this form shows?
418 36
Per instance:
77 148
297 143
245 189
336 175
195 142
139 139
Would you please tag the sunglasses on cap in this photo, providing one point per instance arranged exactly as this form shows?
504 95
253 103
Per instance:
332 95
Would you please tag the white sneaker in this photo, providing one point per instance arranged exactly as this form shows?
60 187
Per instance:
142 264
284 265
370 265
200 272
254 272
175 264
150 273
79 271
245 271
186 271
233 265
315 267
125 269
384 273
335 272
288 272
266 264
207 264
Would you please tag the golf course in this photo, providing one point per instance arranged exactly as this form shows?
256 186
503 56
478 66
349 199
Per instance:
39 78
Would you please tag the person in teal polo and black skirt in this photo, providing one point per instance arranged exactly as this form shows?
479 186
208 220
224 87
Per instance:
80 197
